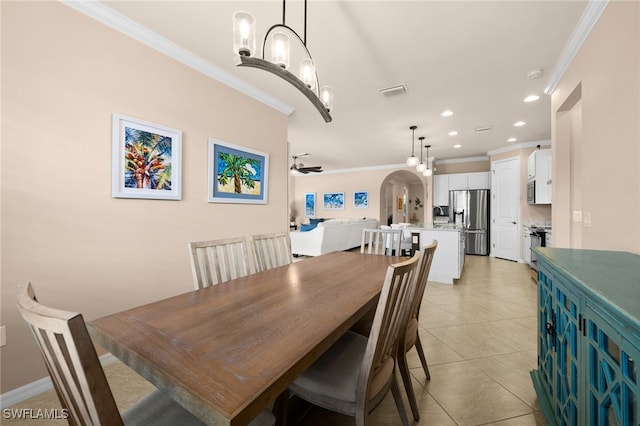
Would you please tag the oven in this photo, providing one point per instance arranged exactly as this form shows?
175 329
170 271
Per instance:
537 240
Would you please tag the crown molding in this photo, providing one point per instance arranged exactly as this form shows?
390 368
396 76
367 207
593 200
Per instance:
517 146
587 21
129 27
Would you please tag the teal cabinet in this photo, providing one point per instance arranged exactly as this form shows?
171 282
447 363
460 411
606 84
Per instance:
588 337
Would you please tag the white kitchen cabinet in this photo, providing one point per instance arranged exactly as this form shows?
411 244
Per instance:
458 181
441 190
480 180
442 184
539 172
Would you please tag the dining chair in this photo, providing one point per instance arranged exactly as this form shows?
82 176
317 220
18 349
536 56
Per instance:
383 241
409 336
271 250
355 374
405 239
79 379
214 262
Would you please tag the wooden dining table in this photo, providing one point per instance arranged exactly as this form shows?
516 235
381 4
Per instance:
224 352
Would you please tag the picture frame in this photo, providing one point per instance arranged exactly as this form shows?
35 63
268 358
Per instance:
400 204
237 174
361 199
310 204
333 200
146 160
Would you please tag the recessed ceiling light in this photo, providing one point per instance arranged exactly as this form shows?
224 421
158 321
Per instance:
453 133
519 123
457 146
512 140
531 98
447 113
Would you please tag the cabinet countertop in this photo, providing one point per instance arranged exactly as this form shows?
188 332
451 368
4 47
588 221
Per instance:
438 227
612 276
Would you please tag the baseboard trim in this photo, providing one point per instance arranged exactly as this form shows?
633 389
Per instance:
18 395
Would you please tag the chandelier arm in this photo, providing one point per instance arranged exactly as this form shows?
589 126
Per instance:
265 65
304 45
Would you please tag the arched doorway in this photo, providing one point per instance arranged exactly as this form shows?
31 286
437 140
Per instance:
404 198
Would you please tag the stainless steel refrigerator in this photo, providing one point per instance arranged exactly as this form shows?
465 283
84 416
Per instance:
471 208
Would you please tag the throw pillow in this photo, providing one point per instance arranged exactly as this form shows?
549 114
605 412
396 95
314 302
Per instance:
307 227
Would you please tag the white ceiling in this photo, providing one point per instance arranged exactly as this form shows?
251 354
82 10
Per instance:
471 57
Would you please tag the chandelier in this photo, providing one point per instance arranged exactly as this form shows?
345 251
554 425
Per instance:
278 58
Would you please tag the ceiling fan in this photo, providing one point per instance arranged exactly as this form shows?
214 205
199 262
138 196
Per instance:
301 168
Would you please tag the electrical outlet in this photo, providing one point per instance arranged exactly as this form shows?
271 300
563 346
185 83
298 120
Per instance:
577 216
3 335
587 220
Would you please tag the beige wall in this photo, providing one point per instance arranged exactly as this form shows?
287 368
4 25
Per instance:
384 186
63 75
605 180
465 167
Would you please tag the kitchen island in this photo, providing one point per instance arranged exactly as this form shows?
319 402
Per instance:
448 260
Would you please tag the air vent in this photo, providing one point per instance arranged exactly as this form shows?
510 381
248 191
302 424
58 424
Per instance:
400 89
484 129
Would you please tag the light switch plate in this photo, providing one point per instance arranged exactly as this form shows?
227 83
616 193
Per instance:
577 216
3 335
587 220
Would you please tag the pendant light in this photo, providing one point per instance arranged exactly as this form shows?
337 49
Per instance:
413 160
421 167
428 171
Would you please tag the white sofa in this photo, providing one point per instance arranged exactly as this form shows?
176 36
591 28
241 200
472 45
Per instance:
330 235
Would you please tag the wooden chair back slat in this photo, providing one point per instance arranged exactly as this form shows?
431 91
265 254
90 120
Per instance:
271 250
384 242
217 261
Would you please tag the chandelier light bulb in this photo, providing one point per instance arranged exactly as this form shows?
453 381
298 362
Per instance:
427 172
412 161
308 73
280 49
326 96
421 167
244 33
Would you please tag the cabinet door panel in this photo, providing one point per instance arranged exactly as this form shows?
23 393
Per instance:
567 315
613 390
458 181
546 337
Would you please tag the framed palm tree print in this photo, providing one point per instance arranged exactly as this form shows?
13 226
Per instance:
237 174
146 160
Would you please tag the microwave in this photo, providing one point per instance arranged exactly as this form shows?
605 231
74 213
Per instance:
531 192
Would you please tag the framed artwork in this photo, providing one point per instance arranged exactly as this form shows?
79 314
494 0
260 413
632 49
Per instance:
400 204
333 200
237 174
310 204
361 199
146 160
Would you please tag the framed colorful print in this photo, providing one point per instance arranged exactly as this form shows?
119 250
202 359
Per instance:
146 160
237 174
400 204
310 204
333 200
361 199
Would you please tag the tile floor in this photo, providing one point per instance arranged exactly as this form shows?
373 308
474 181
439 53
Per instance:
480 342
